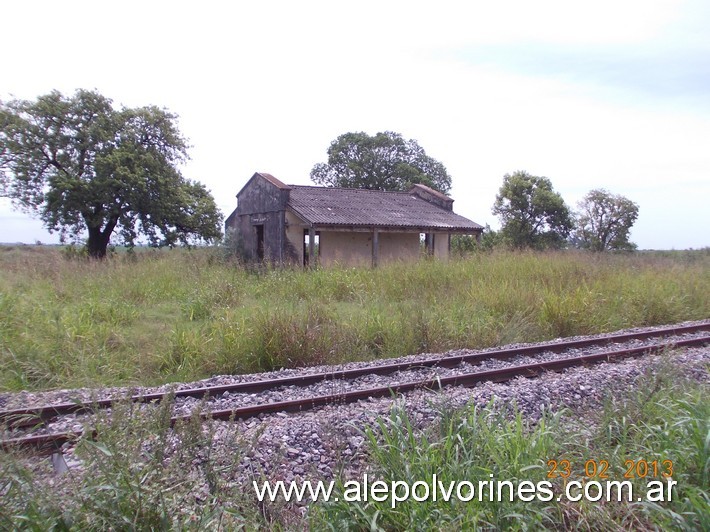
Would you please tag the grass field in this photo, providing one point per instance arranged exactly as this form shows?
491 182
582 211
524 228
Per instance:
160 316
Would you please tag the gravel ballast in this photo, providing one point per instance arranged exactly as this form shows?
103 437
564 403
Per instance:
321 443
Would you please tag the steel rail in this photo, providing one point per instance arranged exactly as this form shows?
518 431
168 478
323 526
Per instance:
27 417
49 443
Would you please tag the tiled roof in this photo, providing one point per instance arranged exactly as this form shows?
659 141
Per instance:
360 207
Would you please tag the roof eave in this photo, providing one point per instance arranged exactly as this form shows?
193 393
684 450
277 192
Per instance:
395 228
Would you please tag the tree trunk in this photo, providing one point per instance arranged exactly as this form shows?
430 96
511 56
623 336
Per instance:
97 244
98 239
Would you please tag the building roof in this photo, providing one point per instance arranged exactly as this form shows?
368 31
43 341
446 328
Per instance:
268 177
373 208
271 179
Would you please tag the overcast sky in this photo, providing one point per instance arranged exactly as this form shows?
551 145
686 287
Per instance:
612 94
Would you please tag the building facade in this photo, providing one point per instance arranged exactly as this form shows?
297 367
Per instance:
311 225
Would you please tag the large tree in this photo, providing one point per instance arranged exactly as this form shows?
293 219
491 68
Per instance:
84 166
532 214
603 221
385 161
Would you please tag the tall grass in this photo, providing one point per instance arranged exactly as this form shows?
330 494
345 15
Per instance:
160 316
140 474
668 420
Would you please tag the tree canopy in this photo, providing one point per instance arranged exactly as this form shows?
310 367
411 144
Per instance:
385 161
84 166
532 214
603 221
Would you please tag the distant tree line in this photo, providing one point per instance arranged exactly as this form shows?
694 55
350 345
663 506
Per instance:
532 214
85 166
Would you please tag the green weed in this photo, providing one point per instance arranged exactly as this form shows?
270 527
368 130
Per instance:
665 419
164 315
139 474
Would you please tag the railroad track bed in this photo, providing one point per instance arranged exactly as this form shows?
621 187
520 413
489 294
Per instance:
326 442
26 399
407 374
318 443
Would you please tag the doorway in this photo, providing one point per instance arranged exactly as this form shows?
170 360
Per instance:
259 241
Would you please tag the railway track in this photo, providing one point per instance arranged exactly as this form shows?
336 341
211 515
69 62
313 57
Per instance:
19 420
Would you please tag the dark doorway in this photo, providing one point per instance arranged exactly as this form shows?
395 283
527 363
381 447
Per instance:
428 242
259 241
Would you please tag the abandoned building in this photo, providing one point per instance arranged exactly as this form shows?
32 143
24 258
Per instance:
351 227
